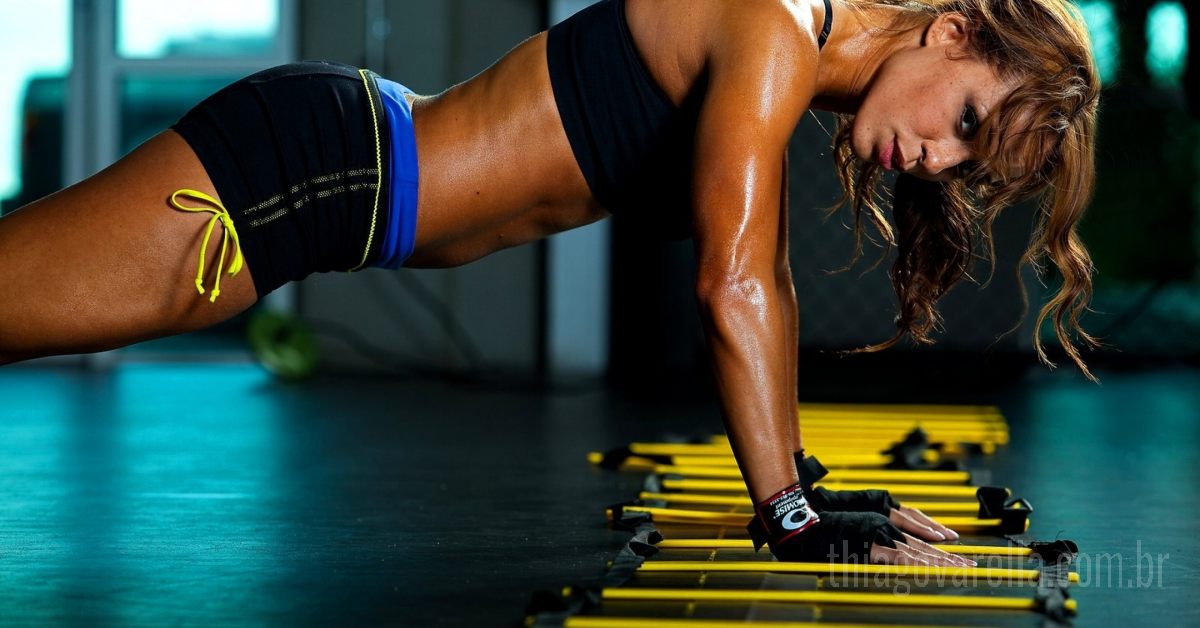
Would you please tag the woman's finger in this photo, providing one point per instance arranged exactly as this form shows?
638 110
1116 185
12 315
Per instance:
933 556
901 519
900 555
954 559
926 520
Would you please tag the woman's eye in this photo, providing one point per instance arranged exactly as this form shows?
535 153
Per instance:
970 122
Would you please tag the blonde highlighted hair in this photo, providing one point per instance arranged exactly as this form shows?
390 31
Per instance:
1038 144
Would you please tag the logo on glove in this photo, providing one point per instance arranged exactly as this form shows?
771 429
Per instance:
798 518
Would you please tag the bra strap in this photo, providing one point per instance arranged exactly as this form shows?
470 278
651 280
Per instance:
828 25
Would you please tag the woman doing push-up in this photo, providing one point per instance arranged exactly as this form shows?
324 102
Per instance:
672 113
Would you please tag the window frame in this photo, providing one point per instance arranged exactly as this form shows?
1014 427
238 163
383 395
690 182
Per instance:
93 110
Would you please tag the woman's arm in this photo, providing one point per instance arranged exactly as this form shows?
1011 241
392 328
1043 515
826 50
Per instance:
758 87
757 90
786 288
748 304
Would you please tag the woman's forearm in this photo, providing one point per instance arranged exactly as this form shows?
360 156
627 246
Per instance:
791 322
786 288
747 332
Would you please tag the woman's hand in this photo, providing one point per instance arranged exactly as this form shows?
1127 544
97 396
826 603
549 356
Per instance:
914 551
854 537
920 525
908 520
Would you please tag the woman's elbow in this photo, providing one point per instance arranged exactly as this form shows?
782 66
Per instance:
717 293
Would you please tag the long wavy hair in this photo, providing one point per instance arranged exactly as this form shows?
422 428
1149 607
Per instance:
1038 144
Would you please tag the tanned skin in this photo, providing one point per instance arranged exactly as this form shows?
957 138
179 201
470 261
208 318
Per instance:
107 262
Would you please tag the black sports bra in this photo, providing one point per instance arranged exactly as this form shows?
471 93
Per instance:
633 145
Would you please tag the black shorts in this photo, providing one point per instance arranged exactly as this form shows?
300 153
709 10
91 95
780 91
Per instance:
299 156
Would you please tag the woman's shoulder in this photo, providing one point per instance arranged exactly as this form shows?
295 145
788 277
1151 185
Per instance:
794 24
771 44
771 41
682 41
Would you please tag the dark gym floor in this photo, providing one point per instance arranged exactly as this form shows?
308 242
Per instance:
213 495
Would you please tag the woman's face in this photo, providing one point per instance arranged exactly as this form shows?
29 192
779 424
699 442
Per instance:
920 113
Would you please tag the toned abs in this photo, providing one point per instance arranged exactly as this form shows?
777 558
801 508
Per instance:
496 167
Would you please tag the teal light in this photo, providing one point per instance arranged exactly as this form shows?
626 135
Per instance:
153 29
36 43
1104 29
1166 36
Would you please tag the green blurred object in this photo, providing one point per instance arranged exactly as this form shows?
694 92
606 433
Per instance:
283 344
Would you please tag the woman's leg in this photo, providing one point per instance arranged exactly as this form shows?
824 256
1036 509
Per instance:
109 262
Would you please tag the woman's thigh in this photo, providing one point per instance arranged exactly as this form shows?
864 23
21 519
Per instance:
109 262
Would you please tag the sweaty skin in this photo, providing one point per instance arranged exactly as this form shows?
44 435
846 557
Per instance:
756 61
106 262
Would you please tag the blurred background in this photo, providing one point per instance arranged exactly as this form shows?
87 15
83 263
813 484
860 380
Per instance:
86 80
179 482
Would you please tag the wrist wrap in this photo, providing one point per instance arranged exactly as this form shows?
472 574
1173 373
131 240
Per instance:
786 514
849 523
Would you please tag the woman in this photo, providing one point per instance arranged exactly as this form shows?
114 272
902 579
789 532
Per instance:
676 113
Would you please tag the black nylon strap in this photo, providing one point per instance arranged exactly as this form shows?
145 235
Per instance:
551 610
1055 560
997 503
810 469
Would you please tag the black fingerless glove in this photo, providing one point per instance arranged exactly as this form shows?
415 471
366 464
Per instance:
795 532
824 500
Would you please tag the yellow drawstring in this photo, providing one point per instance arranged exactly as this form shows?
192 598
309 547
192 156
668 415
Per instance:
220 214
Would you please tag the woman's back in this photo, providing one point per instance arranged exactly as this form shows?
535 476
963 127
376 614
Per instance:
494 147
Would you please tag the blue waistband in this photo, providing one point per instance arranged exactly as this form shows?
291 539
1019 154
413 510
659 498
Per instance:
402 177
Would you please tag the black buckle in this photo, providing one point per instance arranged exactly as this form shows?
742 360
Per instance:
996 502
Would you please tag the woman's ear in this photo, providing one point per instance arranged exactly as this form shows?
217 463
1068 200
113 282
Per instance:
947 29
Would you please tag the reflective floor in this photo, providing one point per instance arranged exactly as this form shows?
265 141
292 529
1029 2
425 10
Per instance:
178 494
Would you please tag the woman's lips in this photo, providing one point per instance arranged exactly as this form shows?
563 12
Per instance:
886 156
891 158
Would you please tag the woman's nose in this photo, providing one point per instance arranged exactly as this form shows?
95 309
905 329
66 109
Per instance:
938 156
